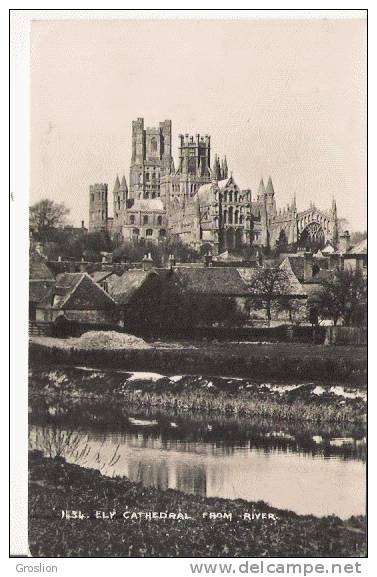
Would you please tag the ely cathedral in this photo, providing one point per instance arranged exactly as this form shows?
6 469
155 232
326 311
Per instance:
198 203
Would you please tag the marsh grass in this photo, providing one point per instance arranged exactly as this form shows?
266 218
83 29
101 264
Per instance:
207 395
273 361
56 486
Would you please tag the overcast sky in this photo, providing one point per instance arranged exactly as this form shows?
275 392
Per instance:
280 98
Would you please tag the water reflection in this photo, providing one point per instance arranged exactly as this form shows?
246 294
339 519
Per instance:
285 478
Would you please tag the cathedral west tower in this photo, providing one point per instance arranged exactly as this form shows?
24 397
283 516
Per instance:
151 158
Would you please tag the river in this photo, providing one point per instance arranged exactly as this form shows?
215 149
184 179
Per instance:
319 474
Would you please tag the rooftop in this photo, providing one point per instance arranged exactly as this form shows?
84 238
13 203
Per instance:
123 289
77 291
38 270
147 205
359 248
211 281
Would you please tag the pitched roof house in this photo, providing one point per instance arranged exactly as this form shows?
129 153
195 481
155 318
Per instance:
77 298
41 279
211 281
286 283
356 258
131 285
137 294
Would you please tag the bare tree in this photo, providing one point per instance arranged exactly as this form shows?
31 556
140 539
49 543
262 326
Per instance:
358 236
47 214
269 286
344 297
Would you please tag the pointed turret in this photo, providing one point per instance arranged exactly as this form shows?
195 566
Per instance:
261 190
123 189
117 184
123 184
214 166
216 170
225 168
334 208
270 199
294 206
222 171
270 187
334 219
219 169
120 197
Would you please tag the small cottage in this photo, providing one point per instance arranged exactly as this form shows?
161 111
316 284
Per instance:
41 279
137 294
75 301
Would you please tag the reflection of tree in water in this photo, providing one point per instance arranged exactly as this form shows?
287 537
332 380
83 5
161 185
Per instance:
191 479
189 429
149 473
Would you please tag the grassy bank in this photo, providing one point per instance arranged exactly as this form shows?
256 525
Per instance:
283 361
55 486
64 386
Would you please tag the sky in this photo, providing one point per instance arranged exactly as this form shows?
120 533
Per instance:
281 98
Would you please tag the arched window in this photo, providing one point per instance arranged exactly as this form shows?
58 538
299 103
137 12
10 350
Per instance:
118 202
149 232
225 215
231 197
154 144
147 176
230 214
132 219
235 196
145 219
135 231
159 220
162 232
236 217
225 196
92 196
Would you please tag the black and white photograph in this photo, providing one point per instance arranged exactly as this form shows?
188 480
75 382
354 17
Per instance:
197 305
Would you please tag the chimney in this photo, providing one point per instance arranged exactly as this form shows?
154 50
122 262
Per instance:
171 260
208 259
308 265
147 261
334 261
259 257
82 224
344 241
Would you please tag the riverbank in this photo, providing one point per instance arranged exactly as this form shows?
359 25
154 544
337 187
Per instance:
279 361
56 486
65 387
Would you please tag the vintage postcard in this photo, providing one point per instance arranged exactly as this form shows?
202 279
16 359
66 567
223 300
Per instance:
198 287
